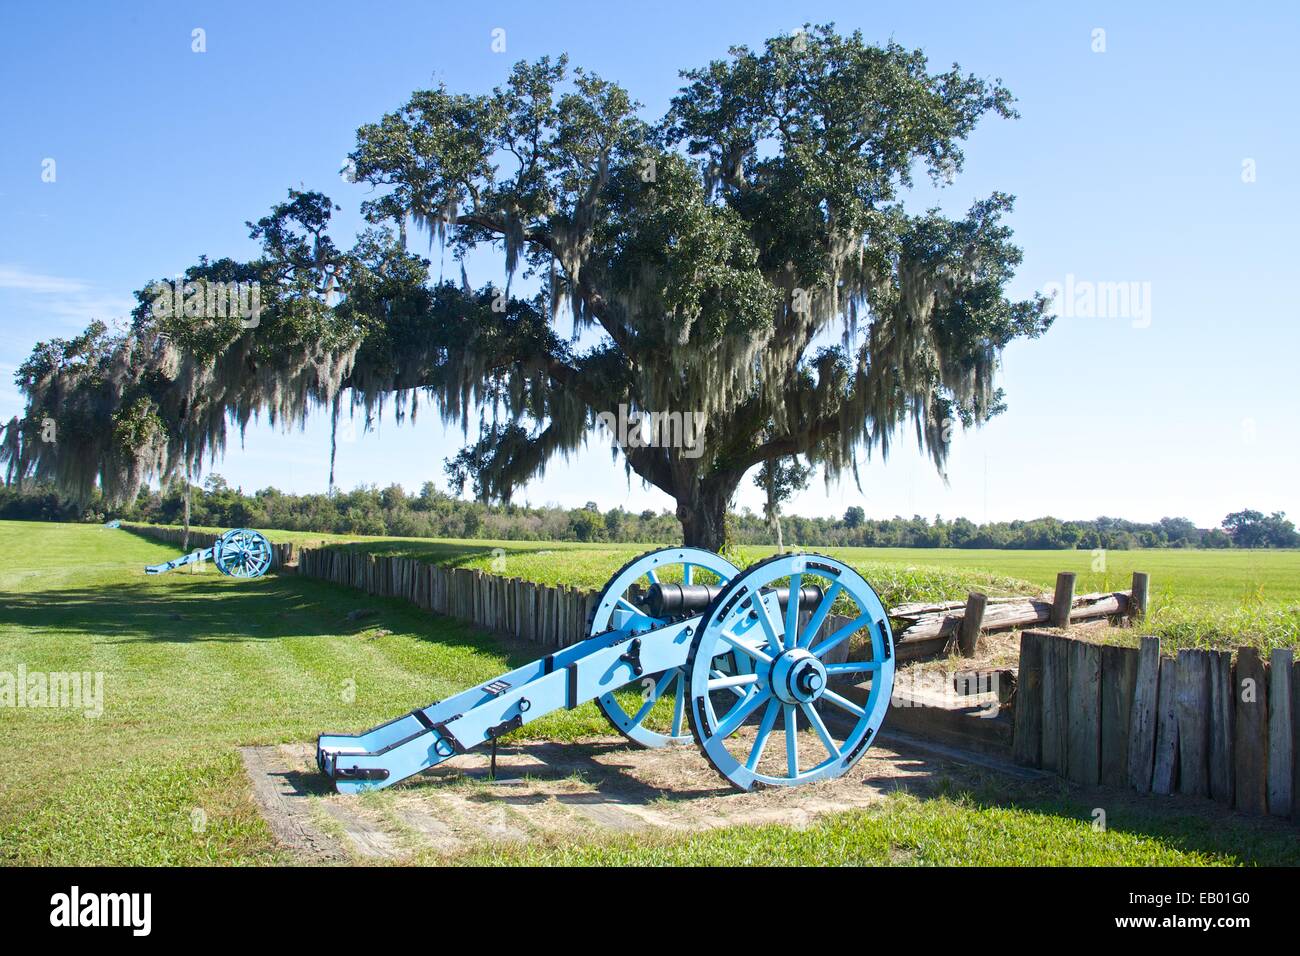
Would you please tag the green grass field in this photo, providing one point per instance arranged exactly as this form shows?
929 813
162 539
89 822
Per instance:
1224 579
1198 598
196 665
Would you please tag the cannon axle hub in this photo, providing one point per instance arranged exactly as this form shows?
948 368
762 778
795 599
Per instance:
798 677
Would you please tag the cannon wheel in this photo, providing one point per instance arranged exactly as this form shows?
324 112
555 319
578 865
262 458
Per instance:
631 714
797 681
242 553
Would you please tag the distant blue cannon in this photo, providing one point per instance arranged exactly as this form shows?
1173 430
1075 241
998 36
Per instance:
238 553
681 647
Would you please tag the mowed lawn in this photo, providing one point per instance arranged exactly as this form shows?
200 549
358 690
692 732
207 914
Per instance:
1199 598
1224 579
195 665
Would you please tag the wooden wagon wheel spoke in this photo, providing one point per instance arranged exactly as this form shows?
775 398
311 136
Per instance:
756 618
623 602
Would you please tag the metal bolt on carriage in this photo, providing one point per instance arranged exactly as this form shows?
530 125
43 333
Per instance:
682 648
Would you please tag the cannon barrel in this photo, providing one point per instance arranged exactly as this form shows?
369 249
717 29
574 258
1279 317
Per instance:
675 600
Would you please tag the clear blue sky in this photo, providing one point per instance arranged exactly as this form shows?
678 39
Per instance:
1127 164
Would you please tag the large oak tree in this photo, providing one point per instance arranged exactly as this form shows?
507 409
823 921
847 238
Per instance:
747 259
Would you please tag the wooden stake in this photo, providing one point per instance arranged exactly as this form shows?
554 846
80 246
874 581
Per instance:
1144 717
1137 604
1056 652
1027 744
1191 698
1063 600
969 634
1119 666
1280 750
1221 727
1295 741
1165 773
1251 746
1083 720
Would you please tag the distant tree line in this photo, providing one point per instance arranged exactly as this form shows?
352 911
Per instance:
433 513
1244 529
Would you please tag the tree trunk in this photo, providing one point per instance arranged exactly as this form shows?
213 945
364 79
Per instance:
773 509
185 540
334 436
703 514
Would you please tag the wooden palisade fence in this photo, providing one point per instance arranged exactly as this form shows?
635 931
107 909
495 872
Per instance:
550 616
556 616
1199 723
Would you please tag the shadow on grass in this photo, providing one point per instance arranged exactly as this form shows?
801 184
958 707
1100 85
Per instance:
212 608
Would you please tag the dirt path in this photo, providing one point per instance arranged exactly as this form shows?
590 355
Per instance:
553 791
285 803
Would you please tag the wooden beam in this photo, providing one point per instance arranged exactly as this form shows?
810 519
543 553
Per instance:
1221 727
1281 753
1251 746
1055 702
920 609
969 634
1083 753
1144 716
1137 605
942 626
1119 666
1164 774
1295 741
1027 744
1191 697
1063 600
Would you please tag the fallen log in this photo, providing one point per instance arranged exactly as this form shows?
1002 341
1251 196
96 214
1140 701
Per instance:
1022 612
912 612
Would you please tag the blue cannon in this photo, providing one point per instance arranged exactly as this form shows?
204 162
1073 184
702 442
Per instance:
682 648
238 553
